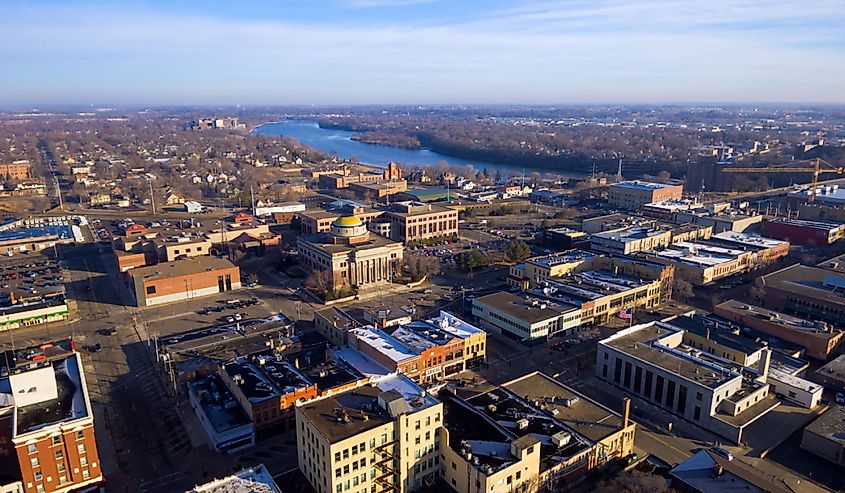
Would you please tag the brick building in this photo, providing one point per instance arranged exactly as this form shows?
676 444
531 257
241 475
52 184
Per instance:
181 280
414 221
48 418
18 170
636 193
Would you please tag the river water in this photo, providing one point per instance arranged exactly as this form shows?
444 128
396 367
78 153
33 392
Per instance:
340 142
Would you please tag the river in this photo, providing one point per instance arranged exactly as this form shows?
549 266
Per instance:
340 142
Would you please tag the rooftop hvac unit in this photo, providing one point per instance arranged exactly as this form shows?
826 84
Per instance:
571 401
561 438
491 408
522 424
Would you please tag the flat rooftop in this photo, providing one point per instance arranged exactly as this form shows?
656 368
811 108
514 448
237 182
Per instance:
642 185
384 343
699 253
178 268
719 331
643 342
529 311
197 340
325 372
579 287
811 282
830 425
574 410
219 404
567 257
344 415
822 225
252 480
507 410
834 369
631 233
788 322
747 240
264 376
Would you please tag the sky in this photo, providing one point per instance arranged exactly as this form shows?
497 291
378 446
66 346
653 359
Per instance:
332 52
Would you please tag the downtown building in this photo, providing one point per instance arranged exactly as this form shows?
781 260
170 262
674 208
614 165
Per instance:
427 351
381 437
47 420
691 375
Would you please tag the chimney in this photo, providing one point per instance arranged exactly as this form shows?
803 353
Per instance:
626 412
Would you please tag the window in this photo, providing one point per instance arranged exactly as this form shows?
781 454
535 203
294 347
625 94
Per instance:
38 475
59 455
627 382
57 440
698 396
649 377
337 456
346 453
31 449
518 475
80 448
337 472
658 389
638 376
39 487
60 466
670 393
617 371
86 474
696 413
34 461
151 289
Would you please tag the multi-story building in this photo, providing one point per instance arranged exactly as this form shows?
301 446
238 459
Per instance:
825 437
652 363
724 255
48 419
530 434
426 351
819 339
253 480
321 220
181 280
631 240
719 221
269 384
415 221
350 254
808 292
334 324
18 170
804 232
382 437
535 270
636 193
604 294
526 319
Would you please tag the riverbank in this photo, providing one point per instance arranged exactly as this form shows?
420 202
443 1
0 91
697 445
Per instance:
344 145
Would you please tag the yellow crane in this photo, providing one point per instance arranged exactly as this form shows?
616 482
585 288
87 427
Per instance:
819 166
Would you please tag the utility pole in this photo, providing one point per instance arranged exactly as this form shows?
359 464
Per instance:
252 198
152 197
58 192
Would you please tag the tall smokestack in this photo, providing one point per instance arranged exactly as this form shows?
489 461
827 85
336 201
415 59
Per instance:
626 412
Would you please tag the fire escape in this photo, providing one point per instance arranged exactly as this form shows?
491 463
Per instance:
386 459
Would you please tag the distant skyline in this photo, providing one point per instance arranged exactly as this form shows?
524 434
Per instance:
338 52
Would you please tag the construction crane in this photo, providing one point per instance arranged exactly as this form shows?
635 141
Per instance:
819 166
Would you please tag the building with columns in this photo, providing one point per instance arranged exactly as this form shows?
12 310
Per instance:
351 254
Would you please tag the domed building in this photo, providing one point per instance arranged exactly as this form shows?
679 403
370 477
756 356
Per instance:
352 254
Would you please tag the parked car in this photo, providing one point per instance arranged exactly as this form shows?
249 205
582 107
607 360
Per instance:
840 397
96 348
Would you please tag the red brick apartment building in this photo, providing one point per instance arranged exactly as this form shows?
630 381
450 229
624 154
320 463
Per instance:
48 420
18 170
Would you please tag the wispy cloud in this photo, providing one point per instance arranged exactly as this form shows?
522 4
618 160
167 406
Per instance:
535 52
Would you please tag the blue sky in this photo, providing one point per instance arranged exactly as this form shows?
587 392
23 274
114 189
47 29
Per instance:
421 51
